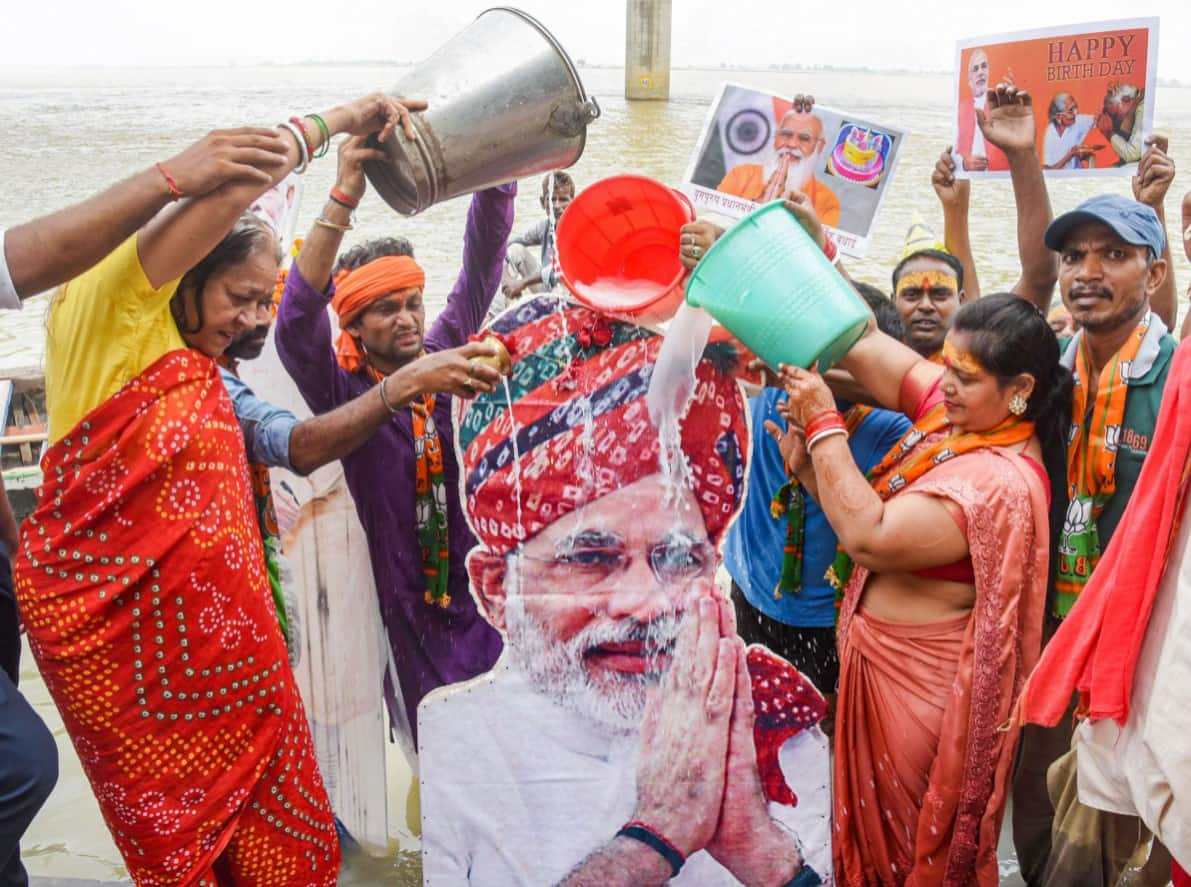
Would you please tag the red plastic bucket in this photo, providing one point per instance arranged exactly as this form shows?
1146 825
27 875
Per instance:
618 247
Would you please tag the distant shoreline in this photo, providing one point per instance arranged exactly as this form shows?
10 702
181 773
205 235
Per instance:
1166 82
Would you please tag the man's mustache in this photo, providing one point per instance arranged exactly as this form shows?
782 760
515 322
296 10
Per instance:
1098 291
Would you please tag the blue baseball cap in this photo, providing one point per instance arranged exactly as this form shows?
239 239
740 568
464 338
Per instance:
1132 221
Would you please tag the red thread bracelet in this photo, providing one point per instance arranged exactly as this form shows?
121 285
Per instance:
175 191
297 121
830 249
344 199
826 425
824 420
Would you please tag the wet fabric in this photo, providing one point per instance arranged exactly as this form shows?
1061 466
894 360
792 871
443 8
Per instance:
142 585
578 373
923 756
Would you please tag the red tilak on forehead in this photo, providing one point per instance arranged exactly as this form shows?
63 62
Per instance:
927 280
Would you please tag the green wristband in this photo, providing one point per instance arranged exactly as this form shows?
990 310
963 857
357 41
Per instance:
326 133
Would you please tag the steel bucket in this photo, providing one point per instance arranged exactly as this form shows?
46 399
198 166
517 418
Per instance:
505 103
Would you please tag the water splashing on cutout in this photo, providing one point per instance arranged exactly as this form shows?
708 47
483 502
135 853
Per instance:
670 388
515 574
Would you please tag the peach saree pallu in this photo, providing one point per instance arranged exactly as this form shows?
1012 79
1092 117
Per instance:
142 584
923 752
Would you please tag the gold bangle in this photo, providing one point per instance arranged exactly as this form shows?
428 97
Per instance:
334 226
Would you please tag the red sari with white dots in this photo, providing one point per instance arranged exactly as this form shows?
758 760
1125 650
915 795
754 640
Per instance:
142 586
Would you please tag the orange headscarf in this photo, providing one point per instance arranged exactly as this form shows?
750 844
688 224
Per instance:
357 289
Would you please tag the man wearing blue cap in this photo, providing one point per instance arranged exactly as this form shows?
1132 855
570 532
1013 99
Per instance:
1110 264
1112 273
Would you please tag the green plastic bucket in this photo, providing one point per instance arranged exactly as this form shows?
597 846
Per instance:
768 282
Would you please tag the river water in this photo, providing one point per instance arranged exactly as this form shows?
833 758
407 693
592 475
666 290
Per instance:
67 133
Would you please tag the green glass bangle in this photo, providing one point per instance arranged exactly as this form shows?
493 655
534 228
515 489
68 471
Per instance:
326 132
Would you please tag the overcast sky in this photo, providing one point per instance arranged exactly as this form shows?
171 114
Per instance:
705 32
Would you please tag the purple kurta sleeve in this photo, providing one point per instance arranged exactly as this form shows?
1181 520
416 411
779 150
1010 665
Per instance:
489 221
303 339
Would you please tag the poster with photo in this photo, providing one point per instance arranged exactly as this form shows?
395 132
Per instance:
1092 87
755 147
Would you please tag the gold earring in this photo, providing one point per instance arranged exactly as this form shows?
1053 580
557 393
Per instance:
1017 405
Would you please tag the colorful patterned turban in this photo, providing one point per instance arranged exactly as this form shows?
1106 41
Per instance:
572 365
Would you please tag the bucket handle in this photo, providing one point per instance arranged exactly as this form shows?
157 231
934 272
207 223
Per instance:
686 201
572 117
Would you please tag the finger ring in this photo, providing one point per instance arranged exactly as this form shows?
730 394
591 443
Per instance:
472 366
696 251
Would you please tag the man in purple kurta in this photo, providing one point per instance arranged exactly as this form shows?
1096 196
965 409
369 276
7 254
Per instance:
431 645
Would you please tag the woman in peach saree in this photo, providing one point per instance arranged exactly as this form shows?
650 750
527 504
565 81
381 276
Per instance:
944 567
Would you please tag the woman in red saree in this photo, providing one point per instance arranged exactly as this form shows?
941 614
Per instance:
141 578
945 559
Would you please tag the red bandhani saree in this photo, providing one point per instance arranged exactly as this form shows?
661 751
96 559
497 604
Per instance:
142 585
923 751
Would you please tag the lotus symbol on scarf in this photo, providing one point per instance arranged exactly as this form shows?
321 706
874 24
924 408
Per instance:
1112 436
1079 517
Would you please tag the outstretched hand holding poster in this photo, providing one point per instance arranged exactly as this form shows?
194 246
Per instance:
756 146
1089 84
626 732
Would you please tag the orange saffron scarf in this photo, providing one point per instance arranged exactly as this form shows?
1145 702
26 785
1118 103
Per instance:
1091 460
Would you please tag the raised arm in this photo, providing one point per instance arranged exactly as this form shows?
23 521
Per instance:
1009 125
954 195
1155 173
303 334
878 363
49 251
489 221
1186 229
174 241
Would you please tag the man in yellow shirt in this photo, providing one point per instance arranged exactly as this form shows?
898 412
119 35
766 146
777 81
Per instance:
798 146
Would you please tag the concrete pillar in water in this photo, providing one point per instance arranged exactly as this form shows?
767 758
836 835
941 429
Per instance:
647 50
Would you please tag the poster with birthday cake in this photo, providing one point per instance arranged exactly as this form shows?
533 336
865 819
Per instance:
1092 88
756 146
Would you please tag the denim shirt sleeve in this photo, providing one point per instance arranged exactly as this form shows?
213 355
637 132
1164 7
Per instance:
266 428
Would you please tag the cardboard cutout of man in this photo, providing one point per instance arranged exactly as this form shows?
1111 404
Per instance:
626 735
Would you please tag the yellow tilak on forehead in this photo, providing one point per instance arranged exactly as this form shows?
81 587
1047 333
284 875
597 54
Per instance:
926 281
961 361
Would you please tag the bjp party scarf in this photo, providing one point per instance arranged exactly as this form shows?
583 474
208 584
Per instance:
1097 417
